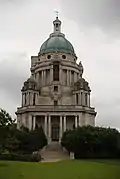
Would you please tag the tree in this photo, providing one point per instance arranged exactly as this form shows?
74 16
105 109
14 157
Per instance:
91 141
5 118
30 141
33 140
6 123
3 136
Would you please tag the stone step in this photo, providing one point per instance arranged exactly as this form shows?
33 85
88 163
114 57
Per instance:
54 151
54 146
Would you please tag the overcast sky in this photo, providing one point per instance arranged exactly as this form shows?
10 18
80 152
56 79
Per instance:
92 26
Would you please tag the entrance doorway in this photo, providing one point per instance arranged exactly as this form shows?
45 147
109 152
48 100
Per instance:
55 132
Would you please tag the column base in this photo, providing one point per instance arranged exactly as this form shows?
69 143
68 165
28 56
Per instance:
59 140
49 140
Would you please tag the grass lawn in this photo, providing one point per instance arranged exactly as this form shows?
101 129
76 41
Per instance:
73 169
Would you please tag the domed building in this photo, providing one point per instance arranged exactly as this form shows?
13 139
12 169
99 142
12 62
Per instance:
56 97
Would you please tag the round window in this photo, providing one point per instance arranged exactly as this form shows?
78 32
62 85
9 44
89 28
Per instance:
49 56
63 56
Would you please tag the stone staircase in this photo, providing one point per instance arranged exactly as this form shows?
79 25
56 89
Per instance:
54 152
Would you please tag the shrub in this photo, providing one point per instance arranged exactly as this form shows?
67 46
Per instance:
92 142
36 157
21 157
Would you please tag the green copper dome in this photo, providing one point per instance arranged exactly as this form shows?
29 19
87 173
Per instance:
57 41
57 44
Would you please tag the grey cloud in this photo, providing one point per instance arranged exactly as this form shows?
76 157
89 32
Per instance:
12 1
13 71
104 14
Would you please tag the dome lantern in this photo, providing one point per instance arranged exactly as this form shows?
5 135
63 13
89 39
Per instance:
57 24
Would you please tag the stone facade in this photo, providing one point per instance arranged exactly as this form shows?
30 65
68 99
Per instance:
56 96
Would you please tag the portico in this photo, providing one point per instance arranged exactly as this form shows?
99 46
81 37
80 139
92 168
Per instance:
55 124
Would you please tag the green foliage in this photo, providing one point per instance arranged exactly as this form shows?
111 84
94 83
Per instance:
19 141
92 142
21 157
36 139
31 141
6 123
5 118
25 141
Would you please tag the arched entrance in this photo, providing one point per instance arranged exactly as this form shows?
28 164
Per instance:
55 132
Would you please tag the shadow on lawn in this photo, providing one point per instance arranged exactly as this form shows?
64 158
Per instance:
110 162
3 165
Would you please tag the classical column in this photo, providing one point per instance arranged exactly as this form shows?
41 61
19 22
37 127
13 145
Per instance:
80 119
45 125
75 121
29 98
68 77
83 99
42 77
18 121
45 77
80 102
64 123
51 74
60 127
49 128
88 100
60 75
34 122
22 99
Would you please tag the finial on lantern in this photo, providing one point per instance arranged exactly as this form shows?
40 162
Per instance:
57 13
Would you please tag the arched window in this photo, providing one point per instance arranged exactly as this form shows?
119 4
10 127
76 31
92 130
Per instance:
56 72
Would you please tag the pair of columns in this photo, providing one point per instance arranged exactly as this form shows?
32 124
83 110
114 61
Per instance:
47 122
42 77
32 122
81 99
78 120
62 126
